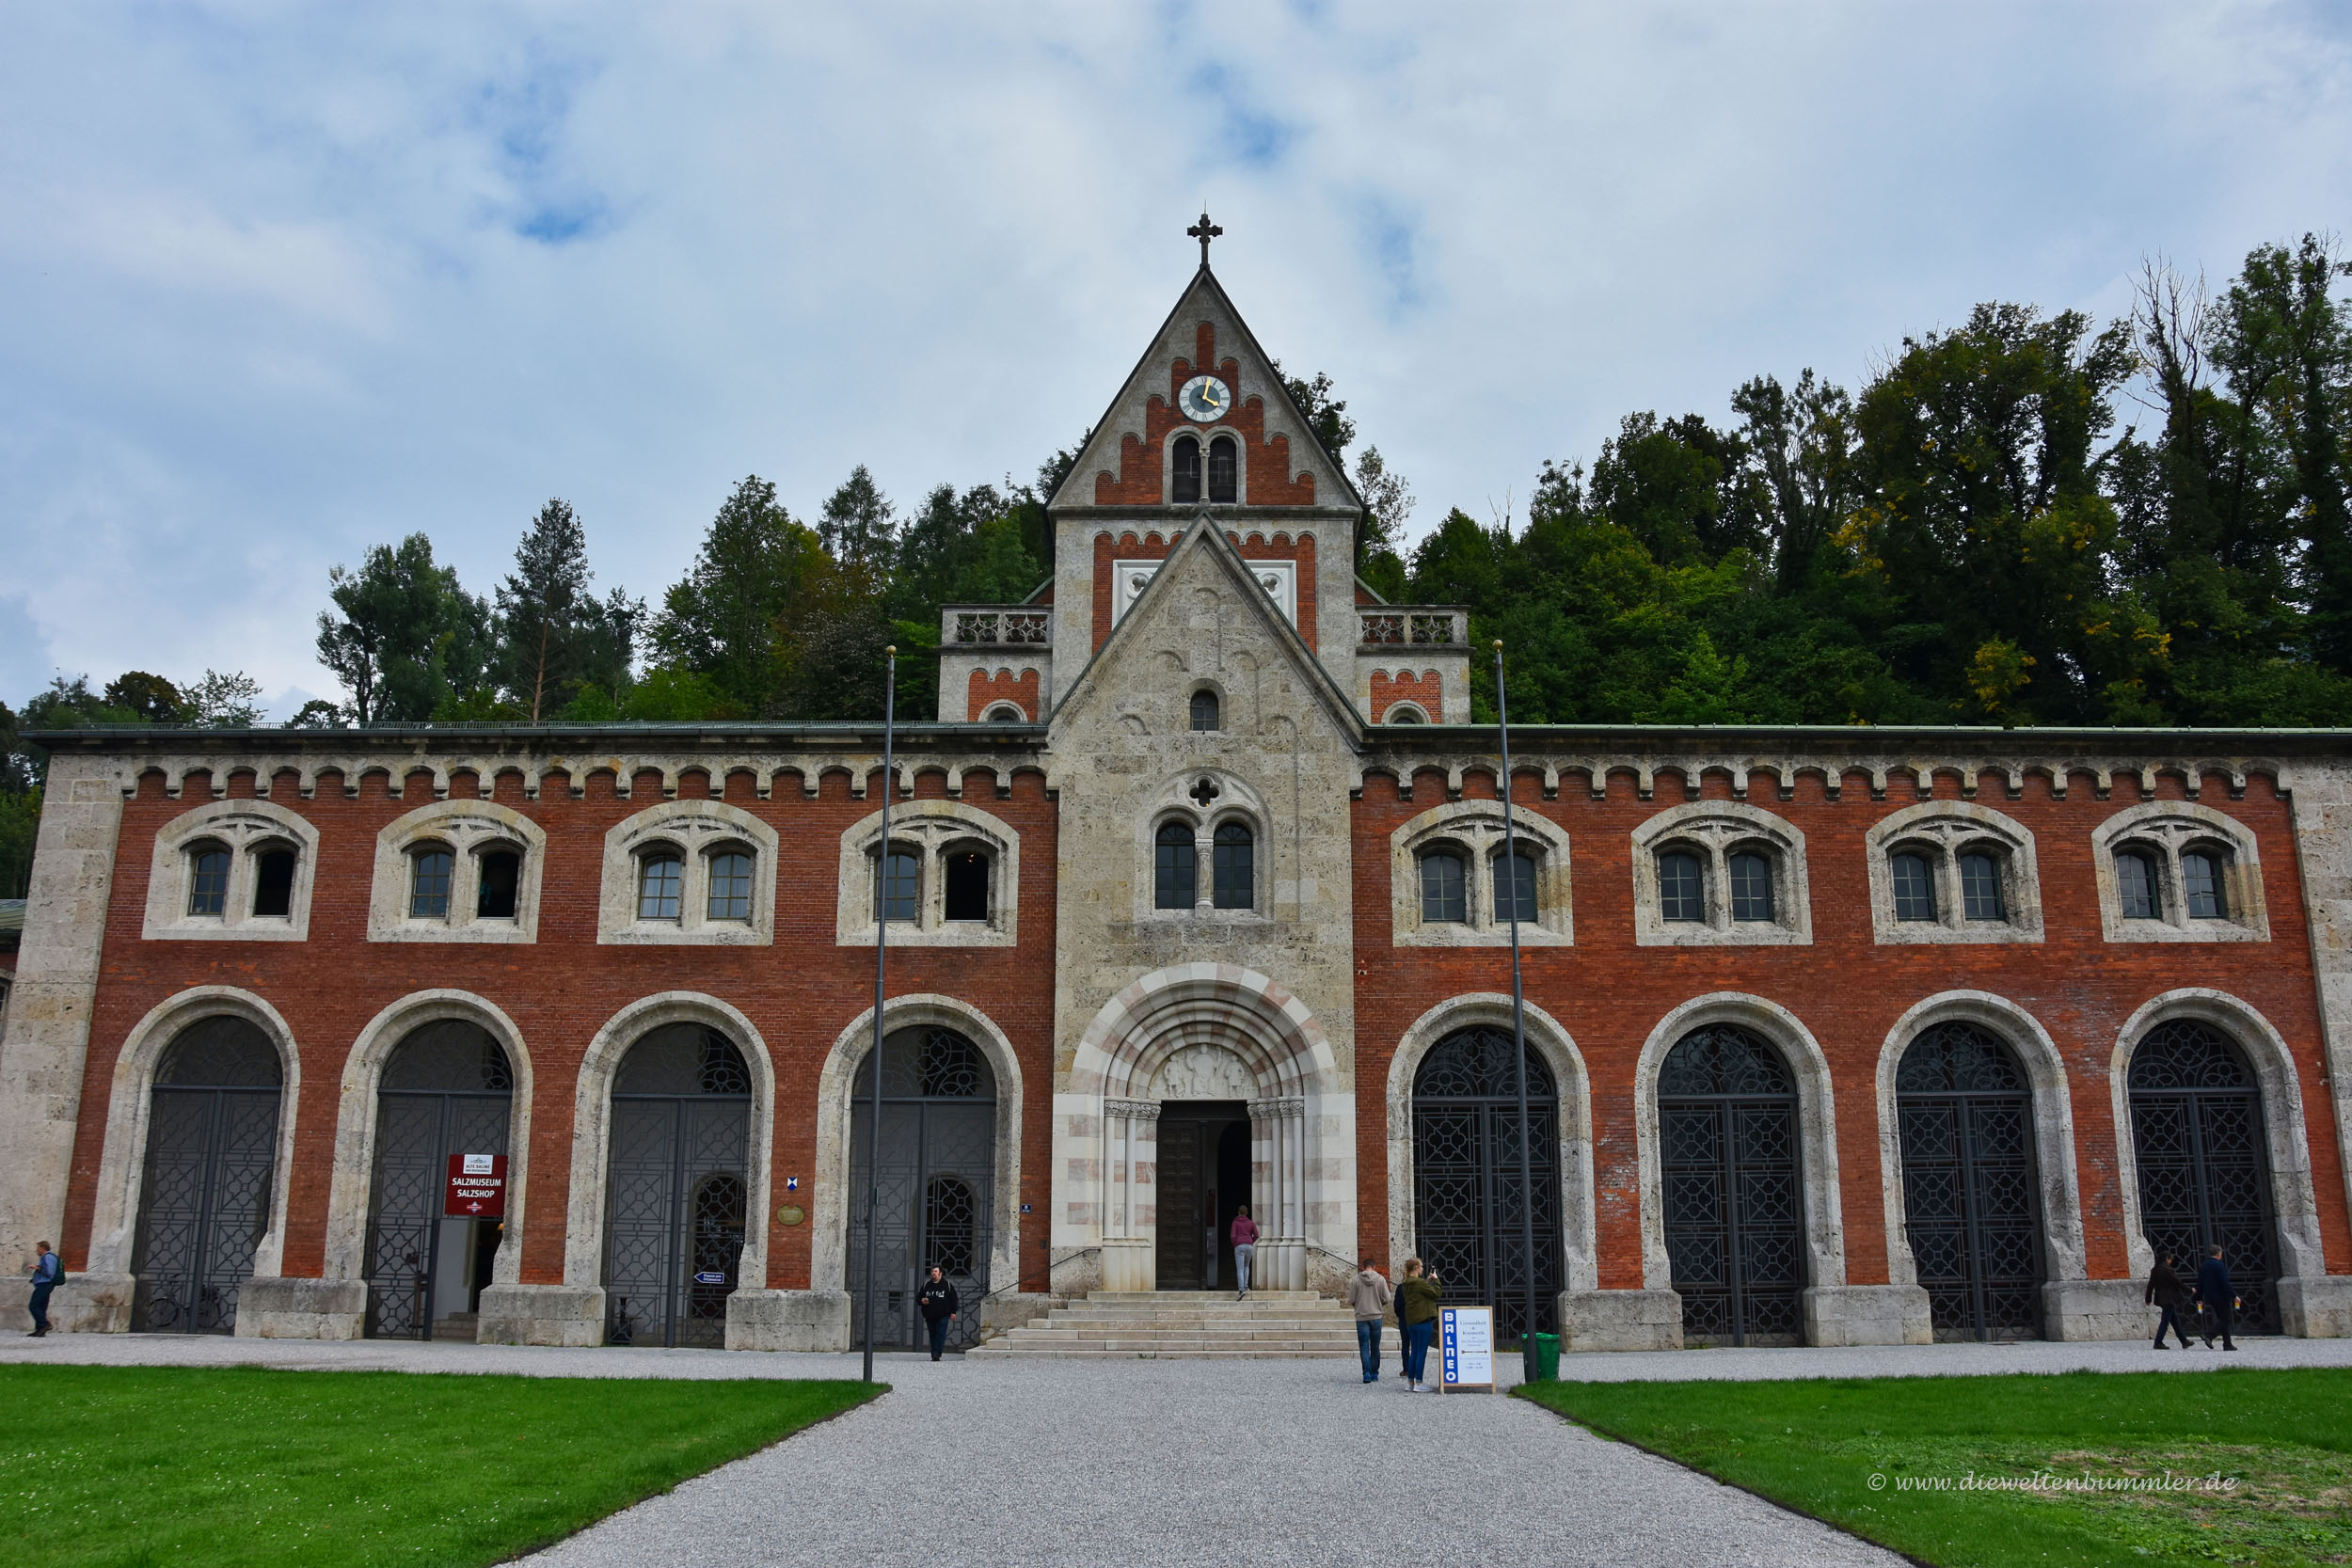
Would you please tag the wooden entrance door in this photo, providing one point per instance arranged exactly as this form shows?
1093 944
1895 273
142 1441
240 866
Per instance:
1203 1176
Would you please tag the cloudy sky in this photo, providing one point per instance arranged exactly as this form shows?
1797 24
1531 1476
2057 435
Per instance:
280 283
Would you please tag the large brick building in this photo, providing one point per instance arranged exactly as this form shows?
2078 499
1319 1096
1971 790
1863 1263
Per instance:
1192 892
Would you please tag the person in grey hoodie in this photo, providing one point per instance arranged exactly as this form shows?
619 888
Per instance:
1368 1292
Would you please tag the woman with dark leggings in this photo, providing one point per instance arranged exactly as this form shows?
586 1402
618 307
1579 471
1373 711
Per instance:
1416 1319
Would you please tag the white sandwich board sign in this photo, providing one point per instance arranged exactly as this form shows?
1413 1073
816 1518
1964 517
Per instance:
1466 1347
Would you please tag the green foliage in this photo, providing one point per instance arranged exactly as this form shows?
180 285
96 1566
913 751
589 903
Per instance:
404 637
248 1467
553 636
149 698
2285 1436
19 826
727 621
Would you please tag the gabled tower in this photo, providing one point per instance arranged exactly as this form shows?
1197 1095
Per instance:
1202 425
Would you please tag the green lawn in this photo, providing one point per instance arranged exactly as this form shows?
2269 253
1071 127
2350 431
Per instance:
2284 1436
128 1468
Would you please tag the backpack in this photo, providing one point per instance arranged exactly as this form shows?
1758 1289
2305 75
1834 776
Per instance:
58 1279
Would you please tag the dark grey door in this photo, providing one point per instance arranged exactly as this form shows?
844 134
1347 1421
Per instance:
676 1188
1733 1193
1467 1187
1970 1209
935 1183
204 1197
2205 1161
448 1090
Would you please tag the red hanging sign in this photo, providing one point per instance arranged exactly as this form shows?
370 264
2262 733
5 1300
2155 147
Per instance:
477 1187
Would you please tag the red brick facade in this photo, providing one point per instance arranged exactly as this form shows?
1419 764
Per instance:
1004 687
1423 690
1269 480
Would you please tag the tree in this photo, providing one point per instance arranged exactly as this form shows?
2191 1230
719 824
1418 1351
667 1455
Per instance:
725 622
554 636
405 636
1380 537
317 714
1800 446
225 702
1326 416
153 699
857 524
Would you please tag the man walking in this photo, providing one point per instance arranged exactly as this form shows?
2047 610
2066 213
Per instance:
939 1304
1368 1292
2218 1296
2165 1291
47 1270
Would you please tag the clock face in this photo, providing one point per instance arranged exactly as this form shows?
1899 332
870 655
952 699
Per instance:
1205 398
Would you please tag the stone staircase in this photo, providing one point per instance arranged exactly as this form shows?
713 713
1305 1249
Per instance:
1188 1325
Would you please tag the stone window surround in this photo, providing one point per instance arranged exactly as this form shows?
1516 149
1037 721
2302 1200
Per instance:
1715 829
1204 434
931 828
469 830
1553 1044
2064 1256
1943 831
1395 713
2166 828
122 1158
244 829
1235 802
697 830
1473 828
1817 1131
2294 1205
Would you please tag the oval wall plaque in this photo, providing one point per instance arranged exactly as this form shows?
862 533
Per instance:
790 1214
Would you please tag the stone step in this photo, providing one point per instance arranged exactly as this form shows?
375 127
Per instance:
458 1325
1204 1295
1064 1334
997 1349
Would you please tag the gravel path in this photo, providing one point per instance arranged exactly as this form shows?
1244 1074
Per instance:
1143 1462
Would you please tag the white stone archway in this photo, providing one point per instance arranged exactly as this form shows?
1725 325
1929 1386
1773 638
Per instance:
353 1183
1553 1045
99 1298
2312 1303
1220 1027
836 1088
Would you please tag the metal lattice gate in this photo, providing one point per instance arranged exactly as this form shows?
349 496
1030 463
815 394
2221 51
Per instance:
2205 1161
1467 1204
1734 1197
936 1183
1970 1211
676 1193
447 1089
204 1198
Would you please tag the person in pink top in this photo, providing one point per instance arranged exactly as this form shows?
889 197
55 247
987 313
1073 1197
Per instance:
1245 1248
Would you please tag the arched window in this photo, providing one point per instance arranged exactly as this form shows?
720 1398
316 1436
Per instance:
208 880
1405 713
1236 868
1915 887
661 885
1981 887
675 1190
1224 470
1970 1213
447 1089
1681 892
1515 886
501 874
1204 710
1185 481
1005 713
431 870
2136 885
2201 880
730 886
967 885
1174 882
1443 894
901 884
1751 886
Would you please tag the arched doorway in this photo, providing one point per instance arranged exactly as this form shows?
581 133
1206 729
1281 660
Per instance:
1467 1193
212 1158
2203 1155
675 1187
1970 1209
936 1183
447 1090
1733 1198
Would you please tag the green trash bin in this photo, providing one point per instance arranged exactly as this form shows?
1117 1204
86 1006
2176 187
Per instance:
1543 1366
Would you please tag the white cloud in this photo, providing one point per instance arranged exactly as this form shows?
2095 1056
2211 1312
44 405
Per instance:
286 282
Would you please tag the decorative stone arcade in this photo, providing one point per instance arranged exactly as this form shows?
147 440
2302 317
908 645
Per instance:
1206 1032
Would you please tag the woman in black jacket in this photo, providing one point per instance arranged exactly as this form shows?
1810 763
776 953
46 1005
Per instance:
939 1303
2165 1290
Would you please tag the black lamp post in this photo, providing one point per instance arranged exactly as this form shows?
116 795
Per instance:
1519 1039
881 951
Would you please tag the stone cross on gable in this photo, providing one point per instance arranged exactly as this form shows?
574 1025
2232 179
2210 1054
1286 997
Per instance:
1204 231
